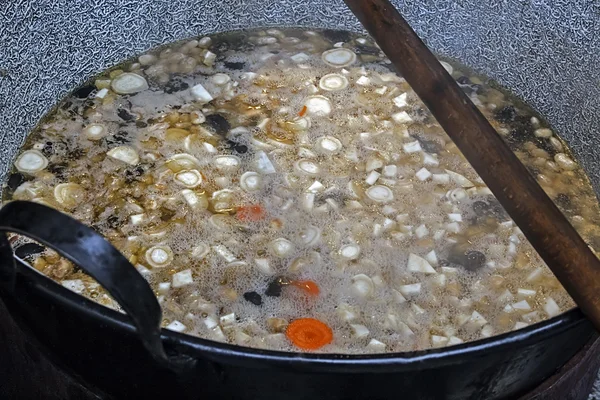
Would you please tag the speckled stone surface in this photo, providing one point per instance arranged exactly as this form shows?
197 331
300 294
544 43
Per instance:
545 51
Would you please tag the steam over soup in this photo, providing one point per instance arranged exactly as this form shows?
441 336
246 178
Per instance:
285 189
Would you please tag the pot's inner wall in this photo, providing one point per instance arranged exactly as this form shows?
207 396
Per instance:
547 52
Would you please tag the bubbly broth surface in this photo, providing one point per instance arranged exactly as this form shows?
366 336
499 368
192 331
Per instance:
285 189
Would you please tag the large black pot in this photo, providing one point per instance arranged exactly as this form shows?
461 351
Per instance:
546 53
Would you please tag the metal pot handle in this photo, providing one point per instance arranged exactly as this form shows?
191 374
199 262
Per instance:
97 257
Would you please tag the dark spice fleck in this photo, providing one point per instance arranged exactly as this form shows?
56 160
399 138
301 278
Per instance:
218 123
234 65
370 50
471 260
140 124
125 115
464 80
84 91
28 250
253 298
15 180
175 85
481 208
563 201
274 288
238 148
506 114
113 221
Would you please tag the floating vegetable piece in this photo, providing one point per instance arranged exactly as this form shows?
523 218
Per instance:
159 256
250 181
95 131
69 195
318 105
380 194
339 57
309 333
333 82
31 161
251 213
309 287
129 83
188 178
328 145
124 153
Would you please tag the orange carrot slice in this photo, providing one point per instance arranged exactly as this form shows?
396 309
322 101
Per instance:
250 213
309 333
309 287
303 111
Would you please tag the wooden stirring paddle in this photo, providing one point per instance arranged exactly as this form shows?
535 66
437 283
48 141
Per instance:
549 232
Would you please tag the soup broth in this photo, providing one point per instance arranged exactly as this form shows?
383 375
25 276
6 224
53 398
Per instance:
286 189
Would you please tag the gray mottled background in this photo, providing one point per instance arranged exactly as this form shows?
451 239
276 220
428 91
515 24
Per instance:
546 51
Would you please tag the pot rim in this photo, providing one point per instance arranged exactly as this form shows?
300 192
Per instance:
212 350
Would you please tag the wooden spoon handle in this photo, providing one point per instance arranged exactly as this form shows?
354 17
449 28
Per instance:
549 232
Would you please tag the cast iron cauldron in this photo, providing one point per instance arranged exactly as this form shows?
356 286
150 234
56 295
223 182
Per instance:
547 52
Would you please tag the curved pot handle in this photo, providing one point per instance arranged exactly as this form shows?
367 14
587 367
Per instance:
97 257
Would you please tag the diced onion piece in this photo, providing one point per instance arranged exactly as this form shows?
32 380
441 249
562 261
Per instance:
346 313
522 305
477 319
182 278
300 57
421 231
263 163
459 179
520 325
136 219
228 319
454 341
333 82
487 331
455 217
350 251
281 247
75 285
129 83
372 177
31 161
423 174
362 286
307 167
188 178
419 264
380 194
551 308
505 296
438 341
311 235
164 287
210 322
182 161
220 79
95 131
411 290
101 93
431 257
176 326
339 57
376 345
457 195
200 94
194 200
315 187
262 265
69 195
373 163
412 147
318 105
224 253
400 101
359 331
525 292
250 181
159 256
227 163
402 117
441 179
543 133
328 145
429 159
200 251
124 153
363 81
